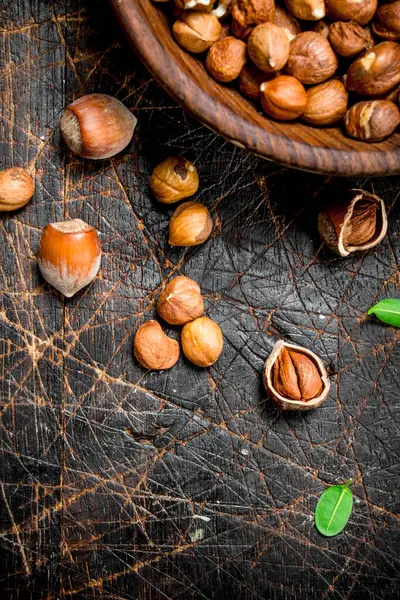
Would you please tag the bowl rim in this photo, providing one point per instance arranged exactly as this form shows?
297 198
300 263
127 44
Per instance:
238 130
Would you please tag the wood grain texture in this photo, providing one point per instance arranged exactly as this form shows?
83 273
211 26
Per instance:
222 109
119 484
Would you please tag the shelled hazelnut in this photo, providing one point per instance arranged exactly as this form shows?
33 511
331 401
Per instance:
359 11
247 14
181 301
190 225
153 349
347 38
386 22
311 58
307 10
16 188
174 179
373 120
326 103
290 25
283 98
202 341
197 31
226 58
376 72
250 80
268 47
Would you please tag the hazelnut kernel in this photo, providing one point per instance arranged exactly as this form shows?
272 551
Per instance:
326 103
283 98
174 179
307 10
153 349
190 225
226 58
311 58
202 341
180 302
268 47
16 188
359 11
347 38
373 120
197 31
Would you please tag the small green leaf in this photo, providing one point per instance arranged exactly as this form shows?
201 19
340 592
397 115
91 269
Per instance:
333 509
387 311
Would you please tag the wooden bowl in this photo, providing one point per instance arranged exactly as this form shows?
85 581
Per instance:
225 111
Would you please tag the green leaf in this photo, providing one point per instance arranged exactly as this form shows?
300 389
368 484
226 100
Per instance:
387 311
333 509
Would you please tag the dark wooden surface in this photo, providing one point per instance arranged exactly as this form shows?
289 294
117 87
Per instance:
220 107
119 484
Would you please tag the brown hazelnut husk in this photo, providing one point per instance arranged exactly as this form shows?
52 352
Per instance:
295 378
268 47
181 301
97 126
326 103
247 14
174 179
250 80
190 225
359 11
372 120
311 58
307 10
16 188
197 31
226 58
283 98
376 72
347 38
386 22
153 349
202 341
357 223
290 25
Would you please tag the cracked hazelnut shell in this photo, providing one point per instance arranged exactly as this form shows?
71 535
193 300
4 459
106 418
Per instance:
153 349
174 179
295 378
373 120
202 341
16 188
181 301
190 225
268 47
311 58
376 72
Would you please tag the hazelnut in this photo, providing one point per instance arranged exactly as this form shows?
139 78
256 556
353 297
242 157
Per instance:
387 21
322 28
69 255
283 98
295 378
376 72
247 14
268 47
153 349
311 58
359 11
174 179
206 5
250 80
222 9
308 10
347 38
197 31
202 341
16 188
373 120
226 58
326 103
97 126
289 24
190 225
180 302
370 41
357 223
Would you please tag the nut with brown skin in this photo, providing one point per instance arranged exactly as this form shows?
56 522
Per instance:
153 349
202 5
250 80
226 58
307 10
97 126
174 179
197 31
372 121
311 58
322 28
357 223
359 11
347 38
288 22
283 98
326 103
386 22
247 14
268 47
223 9
295 378
190 225
376 72
181 301
202 341
16 188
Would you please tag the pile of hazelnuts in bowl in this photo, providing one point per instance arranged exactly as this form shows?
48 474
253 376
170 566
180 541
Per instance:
323 62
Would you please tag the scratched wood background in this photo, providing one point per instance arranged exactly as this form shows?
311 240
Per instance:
116 483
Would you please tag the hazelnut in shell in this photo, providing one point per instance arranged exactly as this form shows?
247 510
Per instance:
307 10
247 14
16 188
69 255
226 58
268 47
326 103
376 72
359 11
202 341
290 25
174 179
311 58
197 31
372 120
190 225
386 22
283 98
97 126
357 223
347 38
181 301
250 80
295 378
153 349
